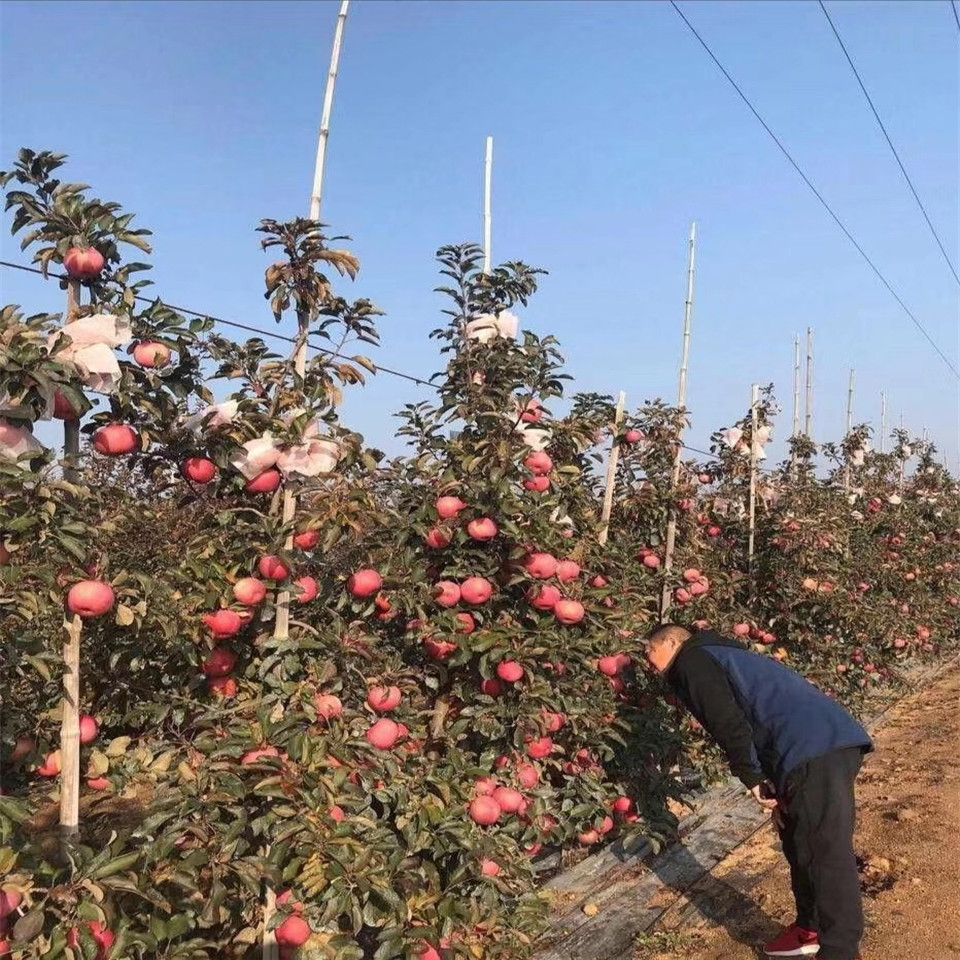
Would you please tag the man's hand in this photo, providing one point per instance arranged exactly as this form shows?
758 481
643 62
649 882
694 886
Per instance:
763 794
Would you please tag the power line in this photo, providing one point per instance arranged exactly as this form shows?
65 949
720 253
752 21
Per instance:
817 194
886 135
230 323
956 16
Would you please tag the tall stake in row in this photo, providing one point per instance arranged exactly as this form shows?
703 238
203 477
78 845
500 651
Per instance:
796 400
282 623
754 426
612 471
808 412
666 595
488 208
846 472
70 717
883 421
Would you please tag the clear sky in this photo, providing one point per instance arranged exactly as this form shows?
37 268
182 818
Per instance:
613 131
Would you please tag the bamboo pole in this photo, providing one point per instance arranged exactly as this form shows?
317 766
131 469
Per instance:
754 400
883 421
796 386
666 596
847 471
612 471
808 412
488 207
70 704
317 195
282 623
903 462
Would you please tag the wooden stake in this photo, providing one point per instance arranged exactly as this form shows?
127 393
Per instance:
317 195
883 421
754 400
488 207
796 386
808 413
666 595
612 471
847 472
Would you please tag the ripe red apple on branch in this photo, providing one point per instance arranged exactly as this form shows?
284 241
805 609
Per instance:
448 507
90 598
115 440
476 590
265 482
483 529
199 470
307 539
364 584
250 591
223 623
151 354
83 263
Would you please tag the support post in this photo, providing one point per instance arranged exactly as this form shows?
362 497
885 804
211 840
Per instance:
808 412
847 470
883 421
612 471
488 207
754 426
670 547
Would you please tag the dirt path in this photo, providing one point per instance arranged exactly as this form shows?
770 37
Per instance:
908 838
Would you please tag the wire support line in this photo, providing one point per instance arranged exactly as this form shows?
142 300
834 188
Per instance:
277 336
229 323
893 149
956 15
826 206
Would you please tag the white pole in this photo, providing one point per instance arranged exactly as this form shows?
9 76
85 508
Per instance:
612 471
796 386
317 194
488 207
754 401
846 474
808 413
666 596
883 421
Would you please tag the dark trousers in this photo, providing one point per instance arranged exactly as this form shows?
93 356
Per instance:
817 838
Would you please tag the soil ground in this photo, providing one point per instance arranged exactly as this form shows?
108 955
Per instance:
908 841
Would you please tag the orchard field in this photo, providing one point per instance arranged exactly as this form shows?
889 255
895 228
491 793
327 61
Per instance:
266 692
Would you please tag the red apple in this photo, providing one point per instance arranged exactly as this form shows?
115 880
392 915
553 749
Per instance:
308 589
510 671
623 805
449 507
508 800
553 721
51 765
250 591
540 748
489 868
63 409
492 688
542 566
544 598
328 706
589 837
537 484
10 902
632 436
568 612
532 412
485 811
102 936
446 593
383 734
149 354
692 575
476 590
293 932
90 598
440 649
223 623
609 666
485 786
652 561
599 582
539 464
567 570
307 539
364 583
115 439
384 699
467 623
83 263
89 729
220 662
437 539
198 469
265 482
252 756
713 532
273 568
682 596
741 629
223 686
483 529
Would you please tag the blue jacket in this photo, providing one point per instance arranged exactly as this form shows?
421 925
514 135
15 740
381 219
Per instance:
767 719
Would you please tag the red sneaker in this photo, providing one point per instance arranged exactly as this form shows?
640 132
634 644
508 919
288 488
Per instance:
794 942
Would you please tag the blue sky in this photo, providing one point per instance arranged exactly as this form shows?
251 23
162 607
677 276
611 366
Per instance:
613 130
